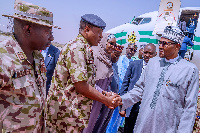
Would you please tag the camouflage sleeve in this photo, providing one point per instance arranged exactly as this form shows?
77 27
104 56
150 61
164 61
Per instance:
4 79
78 66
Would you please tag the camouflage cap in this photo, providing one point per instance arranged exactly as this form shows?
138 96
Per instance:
93 20
32 13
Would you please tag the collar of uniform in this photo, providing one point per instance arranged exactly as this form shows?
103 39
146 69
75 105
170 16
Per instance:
37 54
18 50
84 41
20 54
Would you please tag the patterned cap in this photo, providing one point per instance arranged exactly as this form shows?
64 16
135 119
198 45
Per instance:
93 20
174 34
32 13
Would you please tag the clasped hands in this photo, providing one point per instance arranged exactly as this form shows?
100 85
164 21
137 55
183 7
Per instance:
113 99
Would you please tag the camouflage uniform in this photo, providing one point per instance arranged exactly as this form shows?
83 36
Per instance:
68 110
22 89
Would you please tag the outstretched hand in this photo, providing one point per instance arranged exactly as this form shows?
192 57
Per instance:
113 101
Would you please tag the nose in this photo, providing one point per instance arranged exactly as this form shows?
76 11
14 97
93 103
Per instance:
160 46
100 36
51 37
147 54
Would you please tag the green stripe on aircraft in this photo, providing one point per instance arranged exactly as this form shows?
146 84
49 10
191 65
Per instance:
149 40
195 47
121 41
149 33
121 34
197 39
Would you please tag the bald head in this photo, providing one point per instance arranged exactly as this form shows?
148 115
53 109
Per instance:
151 46
149 52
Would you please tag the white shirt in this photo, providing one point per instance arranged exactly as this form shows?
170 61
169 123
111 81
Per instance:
44 52
144 66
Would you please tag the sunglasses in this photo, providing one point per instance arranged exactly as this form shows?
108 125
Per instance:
164 43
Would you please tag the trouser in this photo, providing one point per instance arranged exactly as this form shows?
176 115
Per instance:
103 120
191 36
131 120
182 53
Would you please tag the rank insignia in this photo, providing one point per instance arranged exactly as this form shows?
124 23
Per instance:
20 55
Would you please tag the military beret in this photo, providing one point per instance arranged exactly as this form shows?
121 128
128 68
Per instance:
93 20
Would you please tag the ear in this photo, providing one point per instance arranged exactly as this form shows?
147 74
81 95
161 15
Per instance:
27 30
87 29
178 46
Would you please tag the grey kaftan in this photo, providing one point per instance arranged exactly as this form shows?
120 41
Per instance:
174 109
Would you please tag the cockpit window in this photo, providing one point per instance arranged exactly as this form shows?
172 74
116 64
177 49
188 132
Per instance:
145 21
136 21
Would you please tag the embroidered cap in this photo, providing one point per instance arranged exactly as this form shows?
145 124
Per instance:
174 34
93 20
32 13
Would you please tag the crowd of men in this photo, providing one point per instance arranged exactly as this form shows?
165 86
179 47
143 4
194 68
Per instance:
76 90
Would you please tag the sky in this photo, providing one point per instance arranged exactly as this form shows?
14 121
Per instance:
67 13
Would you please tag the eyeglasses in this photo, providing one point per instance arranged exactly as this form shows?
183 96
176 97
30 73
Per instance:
164 43
113 44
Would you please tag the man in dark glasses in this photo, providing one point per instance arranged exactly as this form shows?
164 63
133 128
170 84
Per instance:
168 90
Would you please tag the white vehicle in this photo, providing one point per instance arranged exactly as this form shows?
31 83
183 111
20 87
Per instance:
148 27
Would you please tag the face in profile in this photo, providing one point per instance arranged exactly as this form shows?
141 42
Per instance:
161 52
94 35
41 37
110 46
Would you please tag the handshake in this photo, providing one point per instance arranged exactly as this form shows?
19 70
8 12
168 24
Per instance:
113 100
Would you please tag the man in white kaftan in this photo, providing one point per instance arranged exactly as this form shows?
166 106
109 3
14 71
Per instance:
168 90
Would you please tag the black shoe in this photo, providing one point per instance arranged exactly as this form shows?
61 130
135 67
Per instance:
121 129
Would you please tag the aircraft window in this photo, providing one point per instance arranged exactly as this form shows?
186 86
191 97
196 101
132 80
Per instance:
136 21
146 20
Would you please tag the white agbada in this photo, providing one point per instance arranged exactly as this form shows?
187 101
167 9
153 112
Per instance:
168 94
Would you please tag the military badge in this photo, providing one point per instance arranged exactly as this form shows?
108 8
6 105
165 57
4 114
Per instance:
20 55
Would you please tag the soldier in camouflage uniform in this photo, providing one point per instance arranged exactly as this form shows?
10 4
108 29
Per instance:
72 88
22 70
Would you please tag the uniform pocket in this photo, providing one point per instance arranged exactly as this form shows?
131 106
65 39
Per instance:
24 91
21 82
